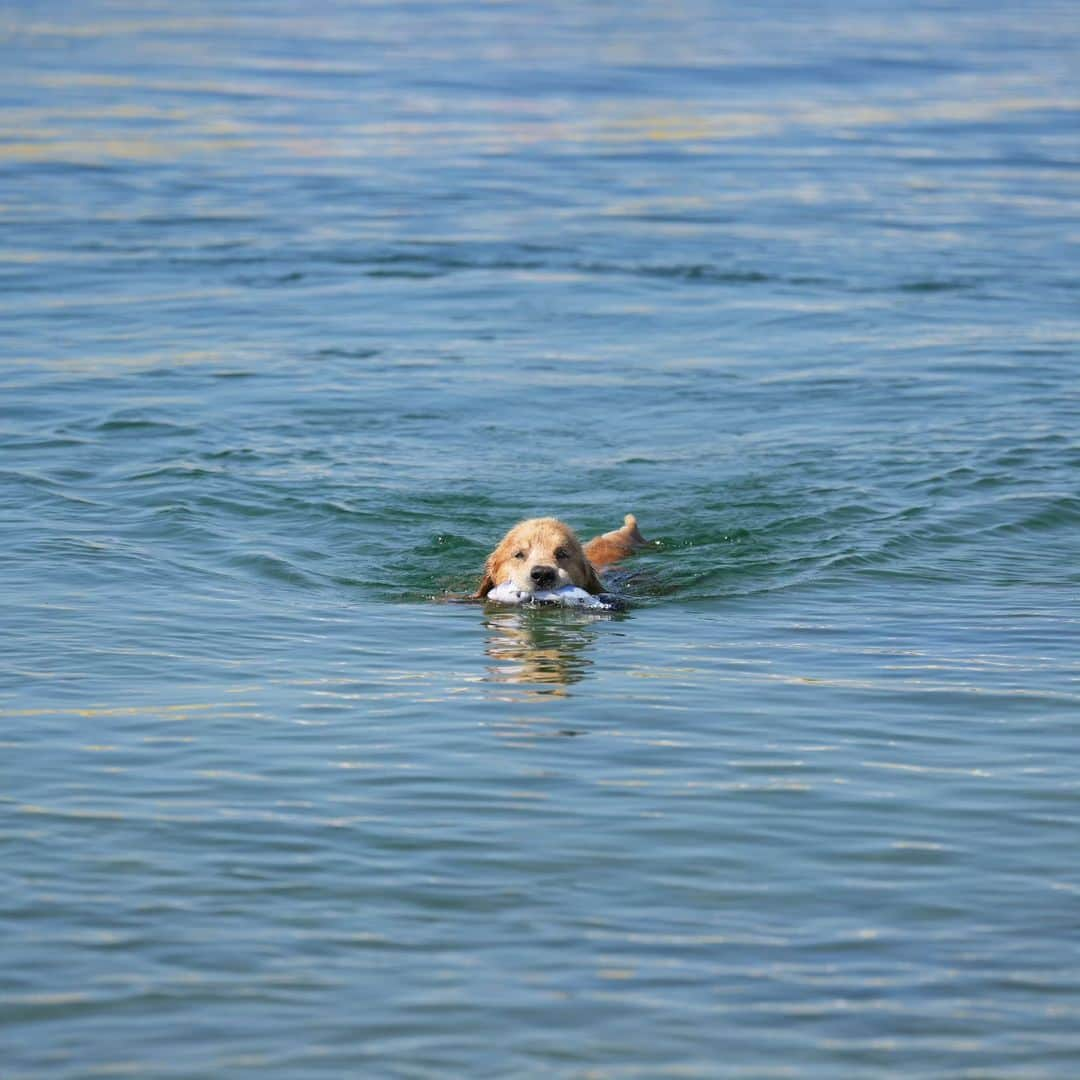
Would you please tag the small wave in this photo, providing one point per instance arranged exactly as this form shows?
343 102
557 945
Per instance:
424 265
184 470
271 567
269 281
698 273
933 285
1049 513
137 423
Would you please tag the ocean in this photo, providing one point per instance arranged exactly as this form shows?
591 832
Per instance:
304 306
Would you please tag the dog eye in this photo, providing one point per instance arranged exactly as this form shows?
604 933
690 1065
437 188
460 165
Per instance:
519 554
562 553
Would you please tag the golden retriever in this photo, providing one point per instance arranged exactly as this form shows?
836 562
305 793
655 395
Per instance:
544 553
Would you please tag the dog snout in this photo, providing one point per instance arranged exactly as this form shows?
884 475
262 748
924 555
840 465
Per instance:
543 576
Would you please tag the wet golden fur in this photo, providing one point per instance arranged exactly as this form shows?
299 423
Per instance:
544 553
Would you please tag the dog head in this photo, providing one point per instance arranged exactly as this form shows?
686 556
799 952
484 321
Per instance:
538 555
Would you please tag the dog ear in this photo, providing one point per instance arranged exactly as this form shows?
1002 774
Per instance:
488 582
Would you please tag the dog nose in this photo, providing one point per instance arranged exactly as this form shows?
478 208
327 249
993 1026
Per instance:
544 576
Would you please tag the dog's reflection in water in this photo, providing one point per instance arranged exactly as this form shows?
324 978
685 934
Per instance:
544 647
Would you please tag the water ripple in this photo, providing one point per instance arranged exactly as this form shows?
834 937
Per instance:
307 307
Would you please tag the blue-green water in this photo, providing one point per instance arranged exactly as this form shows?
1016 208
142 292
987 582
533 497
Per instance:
304 305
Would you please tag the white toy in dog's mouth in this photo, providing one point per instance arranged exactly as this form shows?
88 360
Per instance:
567 596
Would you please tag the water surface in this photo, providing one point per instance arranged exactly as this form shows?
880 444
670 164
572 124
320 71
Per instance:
303 308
